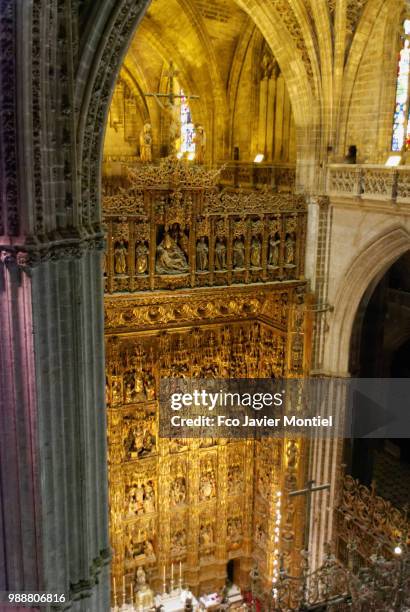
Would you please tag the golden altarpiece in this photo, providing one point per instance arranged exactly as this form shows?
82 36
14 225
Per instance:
200 282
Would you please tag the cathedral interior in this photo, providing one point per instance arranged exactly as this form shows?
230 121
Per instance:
200 189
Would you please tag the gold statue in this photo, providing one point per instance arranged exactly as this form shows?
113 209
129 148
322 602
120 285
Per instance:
146 143
201 255
289 250
256 252
199 140
220 255
273 254
141 258
170 258
238 253
120 258
145 596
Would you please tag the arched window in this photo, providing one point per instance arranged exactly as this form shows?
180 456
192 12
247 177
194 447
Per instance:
187 127
401 124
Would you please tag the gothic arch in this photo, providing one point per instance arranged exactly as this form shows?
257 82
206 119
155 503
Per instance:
284 45
366 270
104 64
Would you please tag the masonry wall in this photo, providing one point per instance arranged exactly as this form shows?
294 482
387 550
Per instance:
372 103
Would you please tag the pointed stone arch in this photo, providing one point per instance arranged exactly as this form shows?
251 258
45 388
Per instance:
300 70
366 270
285 51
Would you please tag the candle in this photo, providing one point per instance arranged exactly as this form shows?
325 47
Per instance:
115 589
172 570
123 583
164 573
180 570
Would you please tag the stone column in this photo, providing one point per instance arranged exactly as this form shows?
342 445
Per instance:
53 491
20 535
326 454
58 64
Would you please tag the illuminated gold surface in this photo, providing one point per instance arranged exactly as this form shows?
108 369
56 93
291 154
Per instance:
199 502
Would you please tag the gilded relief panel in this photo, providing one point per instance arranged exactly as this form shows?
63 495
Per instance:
208 283
173 226
198 502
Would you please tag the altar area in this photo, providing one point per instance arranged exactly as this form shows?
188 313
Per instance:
177 599
195 290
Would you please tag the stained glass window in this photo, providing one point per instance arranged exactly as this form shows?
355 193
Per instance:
187 127
401 124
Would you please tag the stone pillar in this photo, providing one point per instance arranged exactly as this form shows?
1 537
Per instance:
279 110
326 454
263 105
20 535
58 64
270 117
53 491
69 357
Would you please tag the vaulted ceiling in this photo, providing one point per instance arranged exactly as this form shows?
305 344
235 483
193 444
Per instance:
327 50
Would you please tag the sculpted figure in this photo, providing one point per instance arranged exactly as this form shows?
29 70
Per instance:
148 441
149 386
220 255
120 258
290 250
234 531
146 143
207 486
149 501
138 394
170 258
178 542
149 550
116 392
178 492
141 258
256 248
145 596
273 254
199 140
234 480
202 255
206 535
141 579
238 253
129 389
139 499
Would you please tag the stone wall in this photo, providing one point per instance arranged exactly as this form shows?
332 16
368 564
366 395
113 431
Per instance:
373 96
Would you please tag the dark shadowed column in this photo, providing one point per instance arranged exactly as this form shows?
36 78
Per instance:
58 62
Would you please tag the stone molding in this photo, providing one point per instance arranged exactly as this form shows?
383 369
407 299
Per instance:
28 256
369 182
